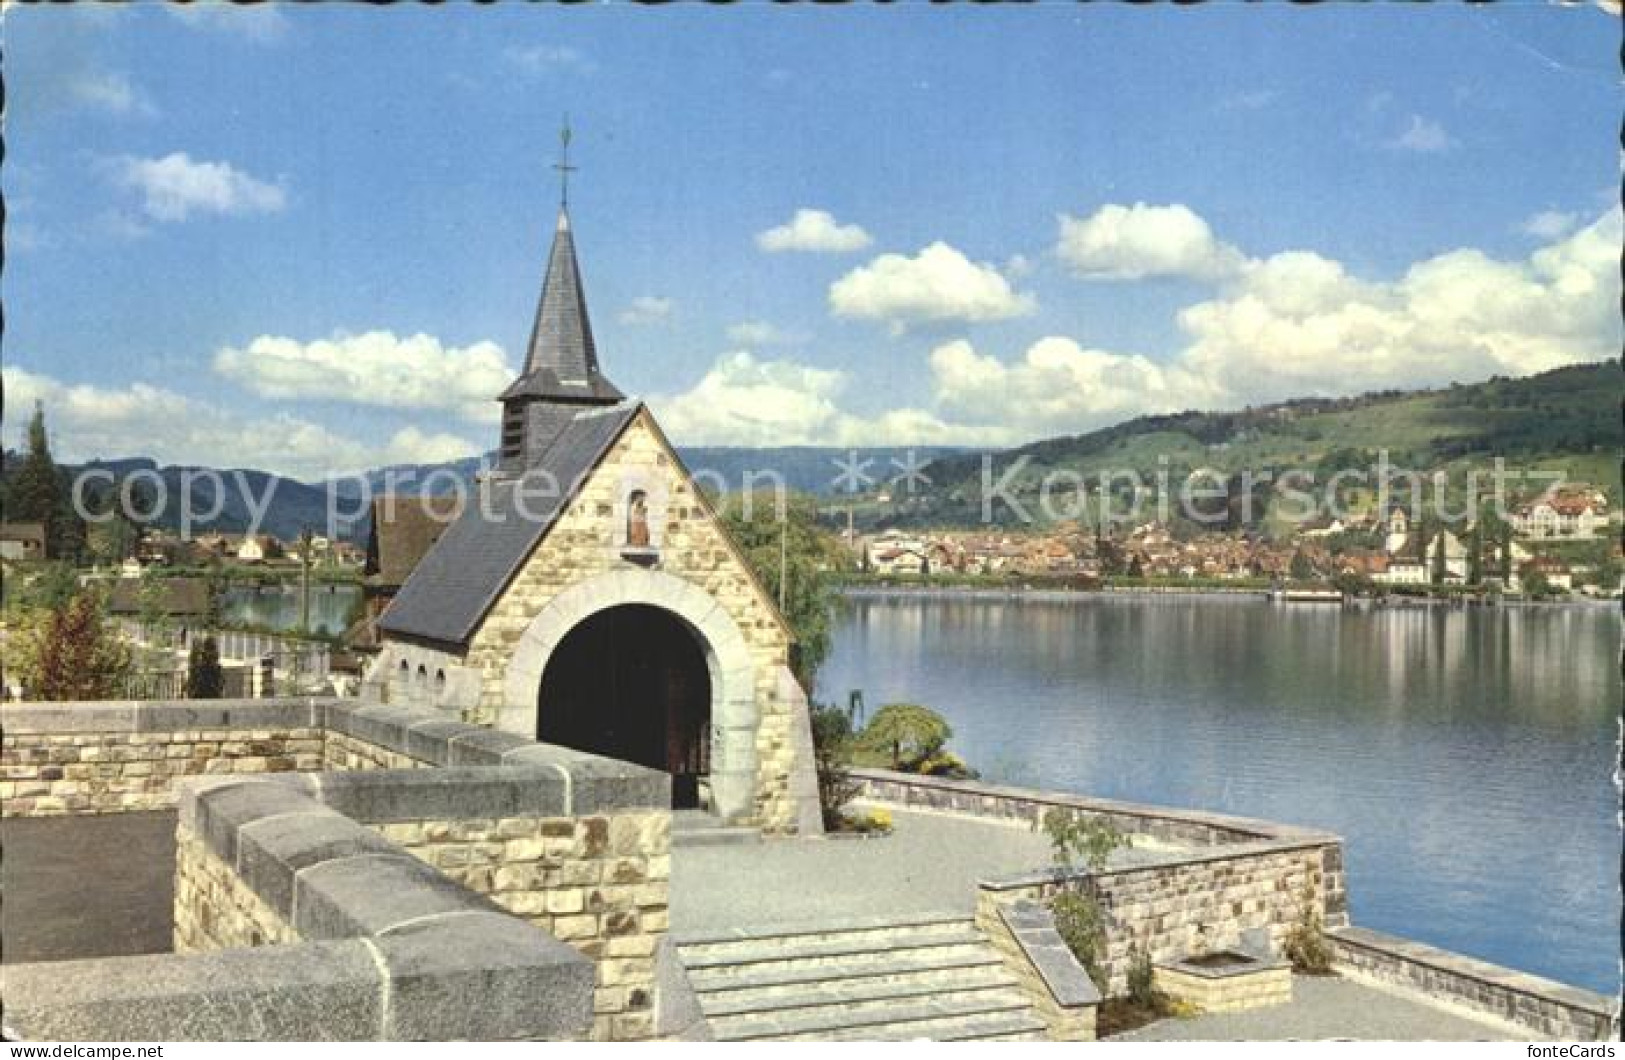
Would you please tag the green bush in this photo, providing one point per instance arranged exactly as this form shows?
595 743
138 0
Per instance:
832 753
1142 986
1082 926
908 732
204 678
1306 946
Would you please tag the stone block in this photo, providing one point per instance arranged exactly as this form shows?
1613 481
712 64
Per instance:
218 813
318 991
430 741
196 714
449 794
483 747
271 851
484 978
369 894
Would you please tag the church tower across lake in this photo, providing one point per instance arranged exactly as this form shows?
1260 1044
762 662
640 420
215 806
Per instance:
589 596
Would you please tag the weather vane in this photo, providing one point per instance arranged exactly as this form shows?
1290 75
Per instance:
563 165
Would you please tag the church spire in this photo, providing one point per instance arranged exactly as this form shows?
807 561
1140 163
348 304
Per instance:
561 360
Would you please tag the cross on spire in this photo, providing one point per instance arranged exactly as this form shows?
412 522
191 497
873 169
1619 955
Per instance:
563 165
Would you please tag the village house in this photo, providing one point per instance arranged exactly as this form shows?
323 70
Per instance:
1578 513
22 541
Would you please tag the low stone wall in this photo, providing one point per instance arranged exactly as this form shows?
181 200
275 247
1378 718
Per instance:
376 945
1187 827
94 758
1548 1009
572 844
1061 992
1241 876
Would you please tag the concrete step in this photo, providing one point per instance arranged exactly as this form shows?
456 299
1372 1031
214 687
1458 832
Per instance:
900 968
929 976
887 1018
830 944
999 1027
841 992
696 828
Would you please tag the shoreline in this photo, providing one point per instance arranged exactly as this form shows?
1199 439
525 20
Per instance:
1048 595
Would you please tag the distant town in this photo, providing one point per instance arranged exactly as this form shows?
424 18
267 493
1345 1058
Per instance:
1563 543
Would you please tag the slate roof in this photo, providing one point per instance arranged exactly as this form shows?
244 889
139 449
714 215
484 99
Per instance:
402 531
468 568
562 361
184 597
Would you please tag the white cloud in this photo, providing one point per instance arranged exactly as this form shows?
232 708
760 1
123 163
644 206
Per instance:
548 58
109 91
1298 324
646 311
937 284
757 333
1424 136
87 422
1550 224
374 368
175 187
409 445
262 23
1059 387
1142 242
815 231
746 401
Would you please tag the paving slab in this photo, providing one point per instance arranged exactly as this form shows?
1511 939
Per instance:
1329 1008
930 863
86 886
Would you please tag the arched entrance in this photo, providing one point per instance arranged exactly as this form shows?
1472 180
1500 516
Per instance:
631 682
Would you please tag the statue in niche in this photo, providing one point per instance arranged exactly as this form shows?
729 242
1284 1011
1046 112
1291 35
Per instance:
637 520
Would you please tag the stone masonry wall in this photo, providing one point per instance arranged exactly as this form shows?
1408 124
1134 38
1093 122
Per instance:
598 883
1197 905
344 752
692 546
56 773
214 908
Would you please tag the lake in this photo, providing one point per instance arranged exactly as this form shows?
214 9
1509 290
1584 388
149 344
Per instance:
276 607
1465 755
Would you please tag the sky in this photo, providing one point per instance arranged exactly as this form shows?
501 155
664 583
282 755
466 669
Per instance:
311 240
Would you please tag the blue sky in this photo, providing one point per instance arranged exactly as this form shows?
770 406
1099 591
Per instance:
310 239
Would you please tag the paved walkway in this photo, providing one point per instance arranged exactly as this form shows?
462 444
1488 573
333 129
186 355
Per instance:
86 886
1327 1009
931 863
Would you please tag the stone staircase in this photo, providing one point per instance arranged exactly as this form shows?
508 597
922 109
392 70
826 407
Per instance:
928 977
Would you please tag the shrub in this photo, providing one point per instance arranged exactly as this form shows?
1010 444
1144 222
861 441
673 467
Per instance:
1082 926
68 654
907 731
1078 837
832 752
1306 946
1079 919
1142 988
204 678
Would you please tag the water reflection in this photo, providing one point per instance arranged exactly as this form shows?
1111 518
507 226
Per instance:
1466 755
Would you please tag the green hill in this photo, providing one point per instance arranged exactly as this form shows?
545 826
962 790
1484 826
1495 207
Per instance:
1566 420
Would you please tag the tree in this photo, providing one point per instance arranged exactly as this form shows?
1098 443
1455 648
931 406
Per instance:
70 653
1439 570
794 559
1475 554
1300 569
204 678
908 731
36 494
